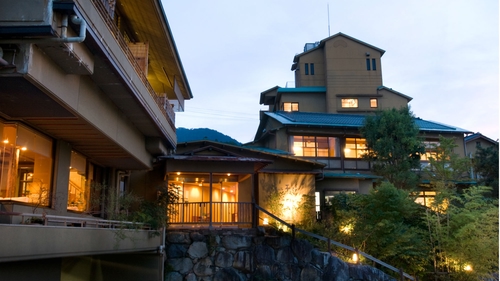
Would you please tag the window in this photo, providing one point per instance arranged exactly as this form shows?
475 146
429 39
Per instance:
425 198
354 148
430 150
310 146
330 194
373 103
374 64
25 165
290 106
78 189
306 69
349 103
312 68
368 64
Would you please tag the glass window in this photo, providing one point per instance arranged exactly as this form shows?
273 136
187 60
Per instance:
374 64
312 68
78 189
310 146
373 103
430 150
306 69
349 103
354 147
290 106
25 165
367 64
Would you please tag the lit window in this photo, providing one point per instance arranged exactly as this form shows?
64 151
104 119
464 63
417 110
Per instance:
373 103
425 198
290 106
26 165
310 146
306 69
354 148
349 103
78 189
430 150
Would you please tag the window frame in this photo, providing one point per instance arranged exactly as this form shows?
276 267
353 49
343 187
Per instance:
344 102
308 144
294 106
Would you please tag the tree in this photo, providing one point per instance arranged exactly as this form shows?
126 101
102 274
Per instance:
447 168
463 233
486 167
394 146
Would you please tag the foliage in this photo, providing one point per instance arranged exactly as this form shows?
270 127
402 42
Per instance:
385 224
463 230
394 146
291 204
486 166
132 210
445 165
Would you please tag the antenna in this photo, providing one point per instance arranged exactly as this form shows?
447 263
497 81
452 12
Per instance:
328 10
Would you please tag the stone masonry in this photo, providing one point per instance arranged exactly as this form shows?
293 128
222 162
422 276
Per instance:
250 254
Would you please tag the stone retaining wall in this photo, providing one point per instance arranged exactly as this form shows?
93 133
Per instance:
250 254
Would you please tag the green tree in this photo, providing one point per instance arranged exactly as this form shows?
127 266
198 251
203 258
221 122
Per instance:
446 167
463 233
386 224
486 167
394 146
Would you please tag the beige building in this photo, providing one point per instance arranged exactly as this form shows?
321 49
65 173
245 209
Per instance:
338 81
89 90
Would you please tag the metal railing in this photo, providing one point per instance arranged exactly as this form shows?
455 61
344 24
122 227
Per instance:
54 220
331 242
225 213
167 111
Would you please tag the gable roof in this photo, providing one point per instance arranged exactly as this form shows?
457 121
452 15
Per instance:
348 121
479 136
340 34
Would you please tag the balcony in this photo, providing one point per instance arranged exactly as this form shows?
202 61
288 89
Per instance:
37 236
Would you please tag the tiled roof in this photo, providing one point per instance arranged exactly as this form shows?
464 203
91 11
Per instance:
348 120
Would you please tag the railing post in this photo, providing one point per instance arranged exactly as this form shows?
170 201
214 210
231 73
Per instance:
293 231
329 246
402 275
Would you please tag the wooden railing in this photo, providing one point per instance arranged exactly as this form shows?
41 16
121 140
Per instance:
330 242
167 110
223 213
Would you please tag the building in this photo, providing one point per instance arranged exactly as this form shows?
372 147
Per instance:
338 82
89 90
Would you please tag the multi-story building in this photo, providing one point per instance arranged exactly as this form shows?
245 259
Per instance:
88 91
338 82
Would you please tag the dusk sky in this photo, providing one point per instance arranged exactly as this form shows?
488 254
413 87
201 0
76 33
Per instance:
443 54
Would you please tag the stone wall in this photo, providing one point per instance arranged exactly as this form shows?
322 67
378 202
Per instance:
250 254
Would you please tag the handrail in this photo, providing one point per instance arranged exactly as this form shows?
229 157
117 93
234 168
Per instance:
292 226
84 221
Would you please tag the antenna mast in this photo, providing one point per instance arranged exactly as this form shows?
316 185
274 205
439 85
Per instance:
328 10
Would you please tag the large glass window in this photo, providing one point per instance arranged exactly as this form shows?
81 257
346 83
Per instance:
311 146
354 147
25 165
78 189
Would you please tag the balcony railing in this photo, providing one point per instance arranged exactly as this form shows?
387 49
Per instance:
162 103
217 213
